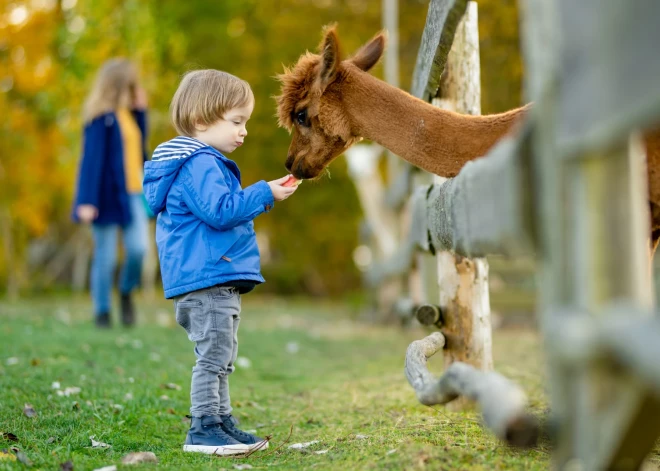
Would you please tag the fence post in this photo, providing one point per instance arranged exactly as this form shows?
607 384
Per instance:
463 282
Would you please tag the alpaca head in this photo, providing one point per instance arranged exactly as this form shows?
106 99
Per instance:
310 106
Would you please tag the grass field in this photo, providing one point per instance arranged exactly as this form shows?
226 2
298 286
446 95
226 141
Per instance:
308 371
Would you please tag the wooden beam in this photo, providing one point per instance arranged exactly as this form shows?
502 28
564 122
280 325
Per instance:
442 20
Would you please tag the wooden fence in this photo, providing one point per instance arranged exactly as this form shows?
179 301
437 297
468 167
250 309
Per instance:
568 189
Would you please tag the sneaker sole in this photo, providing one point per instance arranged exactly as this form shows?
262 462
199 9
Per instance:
217 450
259 446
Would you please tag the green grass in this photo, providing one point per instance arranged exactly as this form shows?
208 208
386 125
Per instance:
345 380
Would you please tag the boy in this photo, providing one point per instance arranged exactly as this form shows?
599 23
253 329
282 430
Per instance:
206 242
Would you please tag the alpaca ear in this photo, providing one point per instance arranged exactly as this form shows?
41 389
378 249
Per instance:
330 56
369 54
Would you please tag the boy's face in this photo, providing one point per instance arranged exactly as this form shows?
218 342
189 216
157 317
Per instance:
227 133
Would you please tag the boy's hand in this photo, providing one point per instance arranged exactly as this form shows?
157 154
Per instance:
281 192
87 212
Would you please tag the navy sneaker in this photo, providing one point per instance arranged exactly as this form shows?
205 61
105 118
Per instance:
229 427
206 436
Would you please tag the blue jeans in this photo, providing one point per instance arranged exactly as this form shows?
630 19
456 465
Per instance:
135 237
211 317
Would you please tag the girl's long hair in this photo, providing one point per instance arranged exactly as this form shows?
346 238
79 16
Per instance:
114 87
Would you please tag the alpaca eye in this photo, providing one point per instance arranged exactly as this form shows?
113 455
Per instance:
301 117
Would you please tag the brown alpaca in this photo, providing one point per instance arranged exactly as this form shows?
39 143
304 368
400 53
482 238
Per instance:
329 104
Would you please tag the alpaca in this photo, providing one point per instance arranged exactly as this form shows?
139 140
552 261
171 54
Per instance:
328 104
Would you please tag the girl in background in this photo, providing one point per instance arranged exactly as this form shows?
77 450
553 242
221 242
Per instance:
109 189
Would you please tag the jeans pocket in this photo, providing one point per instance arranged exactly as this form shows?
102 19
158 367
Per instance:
188 316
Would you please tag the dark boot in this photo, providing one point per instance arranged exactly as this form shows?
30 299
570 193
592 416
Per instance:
127 310
102 320
229 423
206 436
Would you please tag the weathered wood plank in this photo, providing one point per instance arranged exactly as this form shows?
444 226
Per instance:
503 404
441 22
610 70
487 208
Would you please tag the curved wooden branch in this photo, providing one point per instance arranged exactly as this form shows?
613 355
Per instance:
503 403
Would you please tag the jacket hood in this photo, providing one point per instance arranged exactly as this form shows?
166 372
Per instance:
163 168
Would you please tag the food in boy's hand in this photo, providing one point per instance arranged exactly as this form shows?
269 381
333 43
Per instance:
292 181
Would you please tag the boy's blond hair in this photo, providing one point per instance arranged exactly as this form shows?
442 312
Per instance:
204 96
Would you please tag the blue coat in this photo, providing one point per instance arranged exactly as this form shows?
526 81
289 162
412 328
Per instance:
101 179
204 230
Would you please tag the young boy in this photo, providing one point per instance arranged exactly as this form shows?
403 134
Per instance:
206 242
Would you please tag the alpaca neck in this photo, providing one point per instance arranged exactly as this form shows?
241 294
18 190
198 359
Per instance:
436 140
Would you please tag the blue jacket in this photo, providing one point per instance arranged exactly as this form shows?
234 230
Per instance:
204 231
101 179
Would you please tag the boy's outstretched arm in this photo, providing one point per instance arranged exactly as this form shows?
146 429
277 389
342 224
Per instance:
207 195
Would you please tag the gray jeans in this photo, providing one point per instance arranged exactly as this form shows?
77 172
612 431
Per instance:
210 317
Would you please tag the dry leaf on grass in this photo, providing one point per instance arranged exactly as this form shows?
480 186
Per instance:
9 436
68 391
22 457
171 386
96 444
29 411
139 457
300 446
242 466
7 455
107 468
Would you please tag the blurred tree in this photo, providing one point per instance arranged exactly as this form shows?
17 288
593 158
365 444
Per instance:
50 51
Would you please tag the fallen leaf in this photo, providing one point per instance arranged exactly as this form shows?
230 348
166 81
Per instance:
256 405
171 411
139 457
7 455
300 446
171 386
361 437
29 411
51 440
68 466
96 444
11 361
321 452
22 457
35 362
68 391
75 406
107 468
391 451
243 466
9 436
164 398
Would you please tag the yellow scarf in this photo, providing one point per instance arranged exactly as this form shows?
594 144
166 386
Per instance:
132 140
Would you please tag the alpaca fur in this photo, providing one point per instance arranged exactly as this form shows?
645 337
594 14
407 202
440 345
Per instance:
344 103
